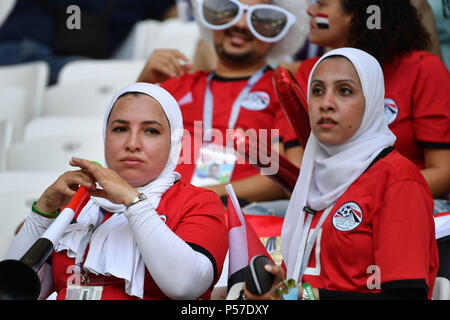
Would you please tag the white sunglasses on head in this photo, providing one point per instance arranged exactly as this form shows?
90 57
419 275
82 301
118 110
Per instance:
268 23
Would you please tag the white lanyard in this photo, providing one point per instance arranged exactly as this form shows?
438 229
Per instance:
306 246
85 241
208 104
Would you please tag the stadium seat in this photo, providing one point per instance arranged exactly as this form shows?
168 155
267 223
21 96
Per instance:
6 132
32 77
17 181
51 126
15 208
148 35
52 154
5 242
123 71
441 289
18 190
6 7
81 98
12 108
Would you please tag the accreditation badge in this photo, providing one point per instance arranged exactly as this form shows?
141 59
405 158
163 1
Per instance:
84 293
80 286
214 165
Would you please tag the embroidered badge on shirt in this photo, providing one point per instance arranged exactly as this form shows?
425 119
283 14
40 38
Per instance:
390 110
348 217
256 101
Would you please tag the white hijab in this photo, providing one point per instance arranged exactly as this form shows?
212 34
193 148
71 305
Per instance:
327 171
113 250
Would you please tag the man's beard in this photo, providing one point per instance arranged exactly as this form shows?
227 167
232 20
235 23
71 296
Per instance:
237 59
240 59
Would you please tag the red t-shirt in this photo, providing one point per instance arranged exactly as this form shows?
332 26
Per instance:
196 215
381 226
264 113
417 102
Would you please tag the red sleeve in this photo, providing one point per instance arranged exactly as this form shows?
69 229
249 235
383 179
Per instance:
203 226
431 103
404 236
287 134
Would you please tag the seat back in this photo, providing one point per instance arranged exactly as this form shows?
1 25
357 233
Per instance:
6 6
52 154
32 77
441 289
14 209
5 242
123 71
51 126
13 108
82 98
174 33
6 133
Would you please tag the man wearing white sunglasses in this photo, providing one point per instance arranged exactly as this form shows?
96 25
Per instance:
239 93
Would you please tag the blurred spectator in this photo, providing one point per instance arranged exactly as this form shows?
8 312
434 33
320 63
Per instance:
238 94
441 11
38 29
416 98
428 21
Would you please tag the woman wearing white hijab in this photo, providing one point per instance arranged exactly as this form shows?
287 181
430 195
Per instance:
359 223
153 237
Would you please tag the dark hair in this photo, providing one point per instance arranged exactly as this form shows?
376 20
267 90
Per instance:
401 28
131 93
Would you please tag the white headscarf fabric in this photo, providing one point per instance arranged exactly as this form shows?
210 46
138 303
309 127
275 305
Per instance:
156 188
113 250
327 171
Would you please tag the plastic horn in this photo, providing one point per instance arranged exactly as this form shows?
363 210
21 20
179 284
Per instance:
293 102
18 278
287 173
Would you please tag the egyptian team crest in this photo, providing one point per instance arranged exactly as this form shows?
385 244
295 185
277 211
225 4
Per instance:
390 110
163 217
256 101
348 217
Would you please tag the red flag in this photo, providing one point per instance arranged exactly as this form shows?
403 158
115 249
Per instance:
244 243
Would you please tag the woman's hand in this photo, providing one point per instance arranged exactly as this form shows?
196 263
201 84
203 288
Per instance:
115 189
279 274
63 189
164 64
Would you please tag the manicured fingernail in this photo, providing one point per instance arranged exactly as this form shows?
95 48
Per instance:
268 267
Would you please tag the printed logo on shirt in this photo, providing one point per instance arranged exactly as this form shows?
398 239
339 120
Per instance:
186 99
348 217
256 101
390 110
163 218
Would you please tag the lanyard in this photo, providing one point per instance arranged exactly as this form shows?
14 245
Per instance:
307 243
208 104
85 241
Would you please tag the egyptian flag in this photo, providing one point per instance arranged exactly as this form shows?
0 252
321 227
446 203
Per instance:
322 21
244 243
